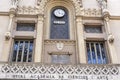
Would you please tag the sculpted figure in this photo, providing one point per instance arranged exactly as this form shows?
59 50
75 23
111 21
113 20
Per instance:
103 4
15 3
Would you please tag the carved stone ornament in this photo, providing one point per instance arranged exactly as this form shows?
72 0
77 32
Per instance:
27 10
7 35
105 13
60 46
14 3
92 12
111 38
102 4
77 3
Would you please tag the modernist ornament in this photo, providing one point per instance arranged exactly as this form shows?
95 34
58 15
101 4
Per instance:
60 46
59 12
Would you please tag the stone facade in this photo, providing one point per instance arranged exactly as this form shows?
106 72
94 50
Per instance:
81 13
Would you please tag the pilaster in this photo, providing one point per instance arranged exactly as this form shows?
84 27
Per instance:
110 38
39 39
8 36
80 40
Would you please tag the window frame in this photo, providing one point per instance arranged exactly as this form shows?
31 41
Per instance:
12 49
25 23
106 51
93 26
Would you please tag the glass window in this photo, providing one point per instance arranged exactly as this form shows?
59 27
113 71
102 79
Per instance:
96 53
25 27
61 59
93 29
22 51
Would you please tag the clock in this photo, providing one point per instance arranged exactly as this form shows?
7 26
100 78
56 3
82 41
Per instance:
59 12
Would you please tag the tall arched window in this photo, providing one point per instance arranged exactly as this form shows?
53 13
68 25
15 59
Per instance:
59 28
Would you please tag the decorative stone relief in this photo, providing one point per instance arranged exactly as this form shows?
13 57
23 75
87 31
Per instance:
14 3
7 35
59 41
103 4
28 10
59 69
110 38
92 12
60 46
77 3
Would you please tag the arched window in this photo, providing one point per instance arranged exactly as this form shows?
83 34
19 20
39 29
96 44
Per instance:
59 28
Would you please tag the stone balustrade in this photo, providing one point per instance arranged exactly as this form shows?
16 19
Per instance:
57 71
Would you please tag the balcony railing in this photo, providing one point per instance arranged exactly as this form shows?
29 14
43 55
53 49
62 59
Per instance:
56 71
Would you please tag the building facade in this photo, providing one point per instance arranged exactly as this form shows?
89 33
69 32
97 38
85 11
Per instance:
59 40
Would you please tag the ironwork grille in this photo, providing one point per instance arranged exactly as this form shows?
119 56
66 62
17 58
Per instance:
96 53
22 51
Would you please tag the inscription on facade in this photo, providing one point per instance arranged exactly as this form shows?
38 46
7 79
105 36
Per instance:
56 76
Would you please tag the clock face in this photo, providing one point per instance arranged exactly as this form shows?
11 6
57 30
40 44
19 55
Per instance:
59 12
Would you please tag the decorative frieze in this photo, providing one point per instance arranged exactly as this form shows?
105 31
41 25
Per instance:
52 71
39 9
28 10
59 41
93 12
34 11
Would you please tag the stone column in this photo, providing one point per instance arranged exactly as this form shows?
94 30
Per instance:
8 37
110 39
80 40
39 39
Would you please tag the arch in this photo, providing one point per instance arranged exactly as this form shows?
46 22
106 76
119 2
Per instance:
59 26
47 10
77 4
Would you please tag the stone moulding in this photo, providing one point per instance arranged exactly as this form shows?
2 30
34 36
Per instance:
59 41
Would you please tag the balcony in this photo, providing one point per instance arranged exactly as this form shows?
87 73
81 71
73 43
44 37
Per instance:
37 71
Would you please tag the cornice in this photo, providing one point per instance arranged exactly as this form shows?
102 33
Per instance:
112 17
4 13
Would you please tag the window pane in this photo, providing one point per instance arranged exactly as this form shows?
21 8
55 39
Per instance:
89 54
98 54
25 27
93 29
93 53
30 51
103 54
15 51
25 51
